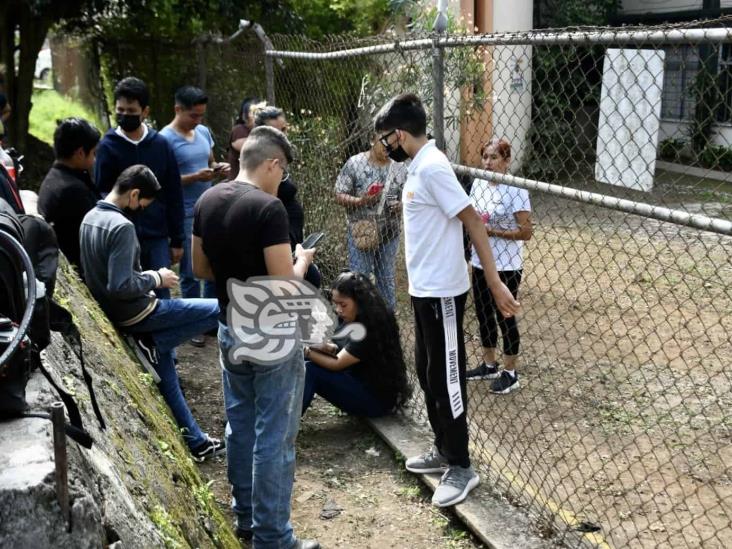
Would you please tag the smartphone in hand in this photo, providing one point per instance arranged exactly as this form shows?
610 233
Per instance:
374 189
311 241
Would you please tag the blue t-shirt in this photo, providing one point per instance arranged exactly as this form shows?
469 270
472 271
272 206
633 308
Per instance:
191 157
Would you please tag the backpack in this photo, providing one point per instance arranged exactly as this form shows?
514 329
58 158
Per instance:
28 247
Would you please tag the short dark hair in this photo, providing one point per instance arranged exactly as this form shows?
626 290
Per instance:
190 96
132 89
263 143
139 177
72 133
403 112
246 103
266 114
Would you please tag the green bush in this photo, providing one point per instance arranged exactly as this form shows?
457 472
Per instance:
716 157
49 106
671 149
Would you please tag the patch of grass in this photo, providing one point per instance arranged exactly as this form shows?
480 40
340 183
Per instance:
167 529
411 492
49 106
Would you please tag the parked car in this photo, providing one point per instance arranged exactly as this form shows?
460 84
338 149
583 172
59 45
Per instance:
44 64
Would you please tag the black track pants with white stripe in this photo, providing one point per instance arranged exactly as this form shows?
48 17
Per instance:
440 363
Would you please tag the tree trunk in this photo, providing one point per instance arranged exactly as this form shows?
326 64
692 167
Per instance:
7 48
33 31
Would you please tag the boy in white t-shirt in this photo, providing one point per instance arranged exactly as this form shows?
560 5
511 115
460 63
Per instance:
436 208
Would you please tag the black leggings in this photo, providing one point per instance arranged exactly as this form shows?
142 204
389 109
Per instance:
490 318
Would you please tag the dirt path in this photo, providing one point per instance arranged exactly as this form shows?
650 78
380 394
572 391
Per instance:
341 464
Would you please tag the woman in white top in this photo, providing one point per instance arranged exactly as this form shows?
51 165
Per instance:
506 213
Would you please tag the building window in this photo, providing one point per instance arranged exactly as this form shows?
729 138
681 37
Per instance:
681 68
724 114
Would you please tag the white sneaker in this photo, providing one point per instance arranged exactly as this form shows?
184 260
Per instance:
455 485
429 462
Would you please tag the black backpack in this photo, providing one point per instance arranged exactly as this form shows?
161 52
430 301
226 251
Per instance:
28 246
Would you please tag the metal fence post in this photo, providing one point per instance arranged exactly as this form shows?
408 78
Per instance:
201 58
438 91
60 459
438 77
268 61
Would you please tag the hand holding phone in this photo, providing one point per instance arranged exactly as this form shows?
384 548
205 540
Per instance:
310 242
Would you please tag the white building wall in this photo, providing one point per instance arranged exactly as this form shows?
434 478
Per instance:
512 77
721 133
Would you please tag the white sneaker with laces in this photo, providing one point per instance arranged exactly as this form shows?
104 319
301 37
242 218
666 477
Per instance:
455 485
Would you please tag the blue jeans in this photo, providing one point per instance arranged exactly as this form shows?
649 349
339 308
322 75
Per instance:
155 254
263 405
342 389
381 262
173 322
189 285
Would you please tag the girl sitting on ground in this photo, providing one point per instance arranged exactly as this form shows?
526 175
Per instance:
362 378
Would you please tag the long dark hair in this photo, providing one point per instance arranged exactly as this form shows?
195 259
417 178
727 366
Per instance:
243 114
387 371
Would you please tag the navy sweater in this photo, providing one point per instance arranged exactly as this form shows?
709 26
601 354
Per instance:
164 217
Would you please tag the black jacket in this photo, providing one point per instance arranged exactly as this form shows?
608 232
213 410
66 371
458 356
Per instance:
65 197
164 217
287 192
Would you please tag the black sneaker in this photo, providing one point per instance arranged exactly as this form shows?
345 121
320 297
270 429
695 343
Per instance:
212 447
505 384
144 347
483 372
198 341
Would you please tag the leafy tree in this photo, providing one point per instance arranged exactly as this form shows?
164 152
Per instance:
565 79
319 18
24 25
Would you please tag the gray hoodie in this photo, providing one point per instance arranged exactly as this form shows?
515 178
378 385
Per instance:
110 261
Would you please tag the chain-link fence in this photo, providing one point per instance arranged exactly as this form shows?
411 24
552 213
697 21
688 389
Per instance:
613 222
619 175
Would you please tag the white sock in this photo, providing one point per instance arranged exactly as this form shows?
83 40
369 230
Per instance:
512 373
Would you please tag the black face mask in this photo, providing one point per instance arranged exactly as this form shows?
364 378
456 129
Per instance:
397 154
129 122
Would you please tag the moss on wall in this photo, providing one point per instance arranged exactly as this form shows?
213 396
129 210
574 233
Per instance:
141 440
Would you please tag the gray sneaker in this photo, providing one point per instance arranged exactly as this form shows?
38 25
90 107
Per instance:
455 485
430 462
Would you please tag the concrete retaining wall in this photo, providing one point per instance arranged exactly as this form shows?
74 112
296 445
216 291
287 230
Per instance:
136 487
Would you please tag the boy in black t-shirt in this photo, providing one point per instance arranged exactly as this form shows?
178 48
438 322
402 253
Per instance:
240 230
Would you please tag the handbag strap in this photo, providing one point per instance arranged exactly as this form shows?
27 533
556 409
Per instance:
385 191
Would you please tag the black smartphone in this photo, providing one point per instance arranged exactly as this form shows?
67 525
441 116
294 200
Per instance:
311 241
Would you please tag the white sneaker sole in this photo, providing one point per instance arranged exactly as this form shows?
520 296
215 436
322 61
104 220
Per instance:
425 471
472 483
507 389
487 376
143 360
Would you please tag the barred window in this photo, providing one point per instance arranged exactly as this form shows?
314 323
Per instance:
682 66
724 114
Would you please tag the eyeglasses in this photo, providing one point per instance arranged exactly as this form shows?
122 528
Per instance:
384 139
